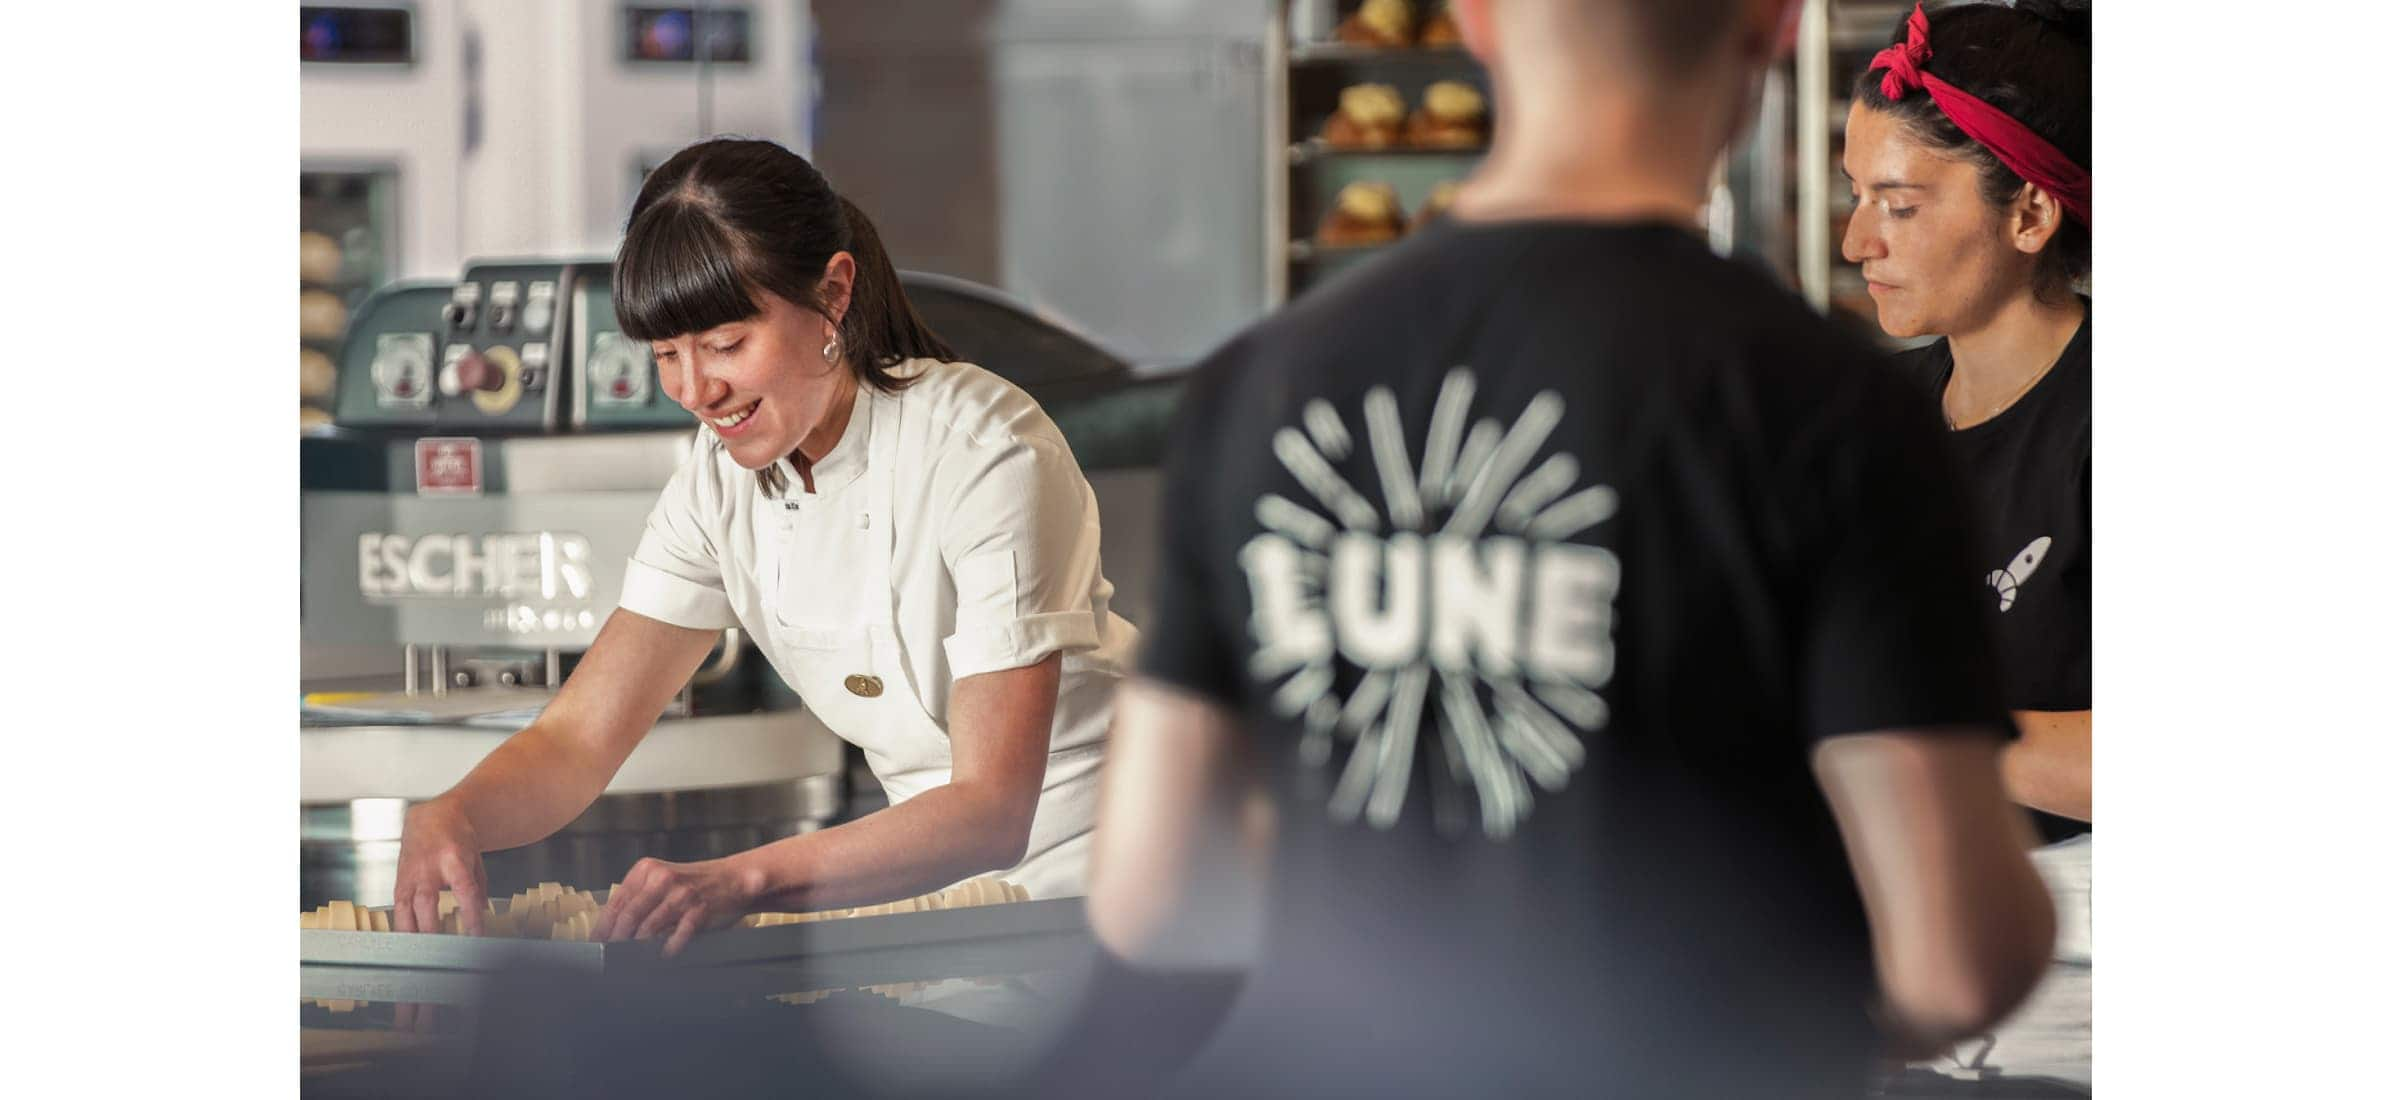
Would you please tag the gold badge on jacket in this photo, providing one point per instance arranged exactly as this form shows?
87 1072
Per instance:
866 686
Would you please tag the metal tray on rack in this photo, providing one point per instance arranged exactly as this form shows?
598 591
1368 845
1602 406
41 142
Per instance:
958 941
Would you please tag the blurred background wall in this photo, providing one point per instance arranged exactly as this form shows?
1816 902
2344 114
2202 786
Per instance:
1144 170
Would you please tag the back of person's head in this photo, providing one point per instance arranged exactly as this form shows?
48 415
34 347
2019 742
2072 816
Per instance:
726 218
1654 41
2033 62
1672 80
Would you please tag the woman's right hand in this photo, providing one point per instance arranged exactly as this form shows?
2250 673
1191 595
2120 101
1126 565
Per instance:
438 851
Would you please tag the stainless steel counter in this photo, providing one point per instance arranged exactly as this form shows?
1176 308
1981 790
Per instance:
942 1001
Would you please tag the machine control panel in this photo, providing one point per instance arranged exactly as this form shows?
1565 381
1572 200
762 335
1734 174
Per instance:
493 387
509 348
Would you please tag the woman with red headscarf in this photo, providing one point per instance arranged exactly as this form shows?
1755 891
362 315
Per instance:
1969 148
1974 223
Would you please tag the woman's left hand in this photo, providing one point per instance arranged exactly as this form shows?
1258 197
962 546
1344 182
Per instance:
676 900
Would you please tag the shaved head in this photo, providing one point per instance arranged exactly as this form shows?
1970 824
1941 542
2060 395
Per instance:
1653 38
1616 106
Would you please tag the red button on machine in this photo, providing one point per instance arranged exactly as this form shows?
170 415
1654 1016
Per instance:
477 373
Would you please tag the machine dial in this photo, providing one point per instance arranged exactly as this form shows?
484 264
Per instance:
619 371
402 369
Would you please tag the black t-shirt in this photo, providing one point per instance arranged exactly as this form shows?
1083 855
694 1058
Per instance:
2030 471
1539 556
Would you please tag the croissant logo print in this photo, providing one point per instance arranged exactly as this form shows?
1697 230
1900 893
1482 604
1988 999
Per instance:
2005 582
1505 634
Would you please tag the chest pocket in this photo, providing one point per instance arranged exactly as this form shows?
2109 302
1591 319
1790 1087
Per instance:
826 586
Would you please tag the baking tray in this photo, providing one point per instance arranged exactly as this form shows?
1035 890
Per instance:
943 943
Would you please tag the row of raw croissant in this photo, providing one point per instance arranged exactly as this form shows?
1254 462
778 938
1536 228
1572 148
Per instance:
893 991
962 895
551 911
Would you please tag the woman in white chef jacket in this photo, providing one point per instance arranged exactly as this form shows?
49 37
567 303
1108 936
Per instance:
907 538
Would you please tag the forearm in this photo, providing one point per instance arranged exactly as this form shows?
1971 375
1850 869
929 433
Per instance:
1206 914
1175 895
1183 851
1935 995
1960 922
526 789
549 772
938 837
2050 767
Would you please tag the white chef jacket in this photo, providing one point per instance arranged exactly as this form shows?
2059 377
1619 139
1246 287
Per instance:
950 532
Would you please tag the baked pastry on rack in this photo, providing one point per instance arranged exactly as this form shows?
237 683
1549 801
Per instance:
317 376
321 315
1368 116
1384 24
319 259
1452 115
1364 214
1440 31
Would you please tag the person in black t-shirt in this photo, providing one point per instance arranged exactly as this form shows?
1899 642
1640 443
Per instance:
1982 248
1969 146
1563 676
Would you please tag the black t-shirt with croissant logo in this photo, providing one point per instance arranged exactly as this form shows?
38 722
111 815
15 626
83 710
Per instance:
1538 557
2030 476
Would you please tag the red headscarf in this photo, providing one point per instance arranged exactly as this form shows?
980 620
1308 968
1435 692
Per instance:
2019 149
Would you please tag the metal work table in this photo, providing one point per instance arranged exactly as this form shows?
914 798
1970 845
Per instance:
862 1005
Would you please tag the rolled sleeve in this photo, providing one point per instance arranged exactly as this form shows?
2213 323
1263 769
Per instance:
660 595
676 574
1020 544
1024 642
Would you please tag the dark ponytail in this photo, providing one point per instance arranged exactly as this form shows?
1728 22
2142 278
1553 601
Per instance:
881 325
727 217
2033 62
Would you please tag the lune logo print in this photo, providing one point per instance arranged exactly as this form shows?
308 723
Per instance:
1467 611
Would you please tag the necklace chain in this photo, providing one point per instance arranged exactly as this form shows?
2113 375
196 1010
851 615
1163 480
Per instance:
2006 402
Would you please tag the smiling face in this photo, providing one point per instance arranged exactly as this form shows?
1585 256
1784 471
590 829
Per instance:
762 383
1939 258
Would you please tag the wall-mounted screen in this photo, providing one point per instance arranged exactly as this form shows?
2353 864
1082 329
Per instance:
357 35
687 34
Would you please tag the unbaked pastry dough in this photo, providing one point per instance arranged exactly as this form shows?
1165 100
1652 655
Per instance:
985 890
553 911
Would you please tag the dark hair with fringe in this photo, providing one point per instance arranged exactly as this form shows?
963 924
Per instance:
2033 62
727 217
